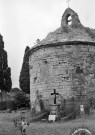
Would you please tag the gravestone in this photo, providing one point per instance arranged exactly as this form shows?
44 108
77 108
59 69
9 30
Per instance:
37 106
82 110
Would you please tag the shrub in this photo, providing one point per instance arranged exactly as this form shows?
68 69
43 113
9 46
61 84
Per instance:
92 102
15 90
11 105
3 105
21 100
69 108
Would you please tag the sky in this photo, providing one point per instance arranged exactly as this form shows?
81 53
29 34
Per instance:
22 22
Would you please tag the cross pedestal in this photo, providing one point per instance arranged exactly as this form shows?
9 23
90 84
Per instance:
54 113
54 108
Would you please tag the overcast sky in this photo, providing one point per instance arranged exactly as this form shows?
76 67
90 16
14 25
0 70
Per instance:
24 21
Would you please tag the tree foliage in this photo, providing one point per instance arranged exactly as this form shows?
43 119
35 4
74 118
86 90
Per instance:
24 78
21 99
15 90
5 71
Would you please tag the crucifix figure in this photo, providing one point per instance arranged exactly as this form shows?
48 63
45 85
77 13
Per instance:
54 93
68 2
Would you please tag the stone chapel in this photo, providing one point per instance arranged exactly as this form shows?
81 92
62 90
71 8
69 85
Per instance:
64 61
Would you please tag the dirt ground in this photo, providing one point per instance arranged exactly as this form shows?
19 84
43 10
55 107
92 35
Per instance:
45 128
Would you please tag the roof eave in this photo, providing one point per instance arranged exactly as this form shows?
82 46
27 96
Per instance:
35 48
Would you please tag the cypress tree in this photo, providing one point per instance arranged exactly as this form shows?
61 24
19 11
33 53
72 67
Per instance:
7 78
5 71
24 78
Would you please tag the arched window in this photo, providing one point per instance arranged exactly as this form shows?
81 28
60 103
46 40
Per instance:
69 19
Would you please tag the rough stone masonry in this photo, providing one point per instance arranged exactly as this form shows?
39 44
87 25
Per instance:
64 60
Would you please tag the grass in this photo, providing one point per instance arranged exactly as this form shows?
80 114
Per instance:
45 128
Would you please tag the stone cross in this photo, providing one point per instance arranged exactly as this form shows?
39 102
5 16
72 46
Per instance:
54 93
68 2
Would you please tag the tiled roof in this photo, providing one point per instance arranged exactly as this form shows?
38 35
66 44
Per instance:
69 32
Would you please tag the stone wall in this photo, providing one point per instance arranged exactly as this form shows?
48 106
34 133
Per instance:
67 68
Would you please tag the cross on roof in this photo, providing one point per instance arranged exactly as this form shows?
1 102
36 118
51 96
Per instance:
68 2
55 93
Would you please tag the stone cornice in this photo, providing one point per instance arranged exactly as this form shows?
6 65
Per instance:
33 49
